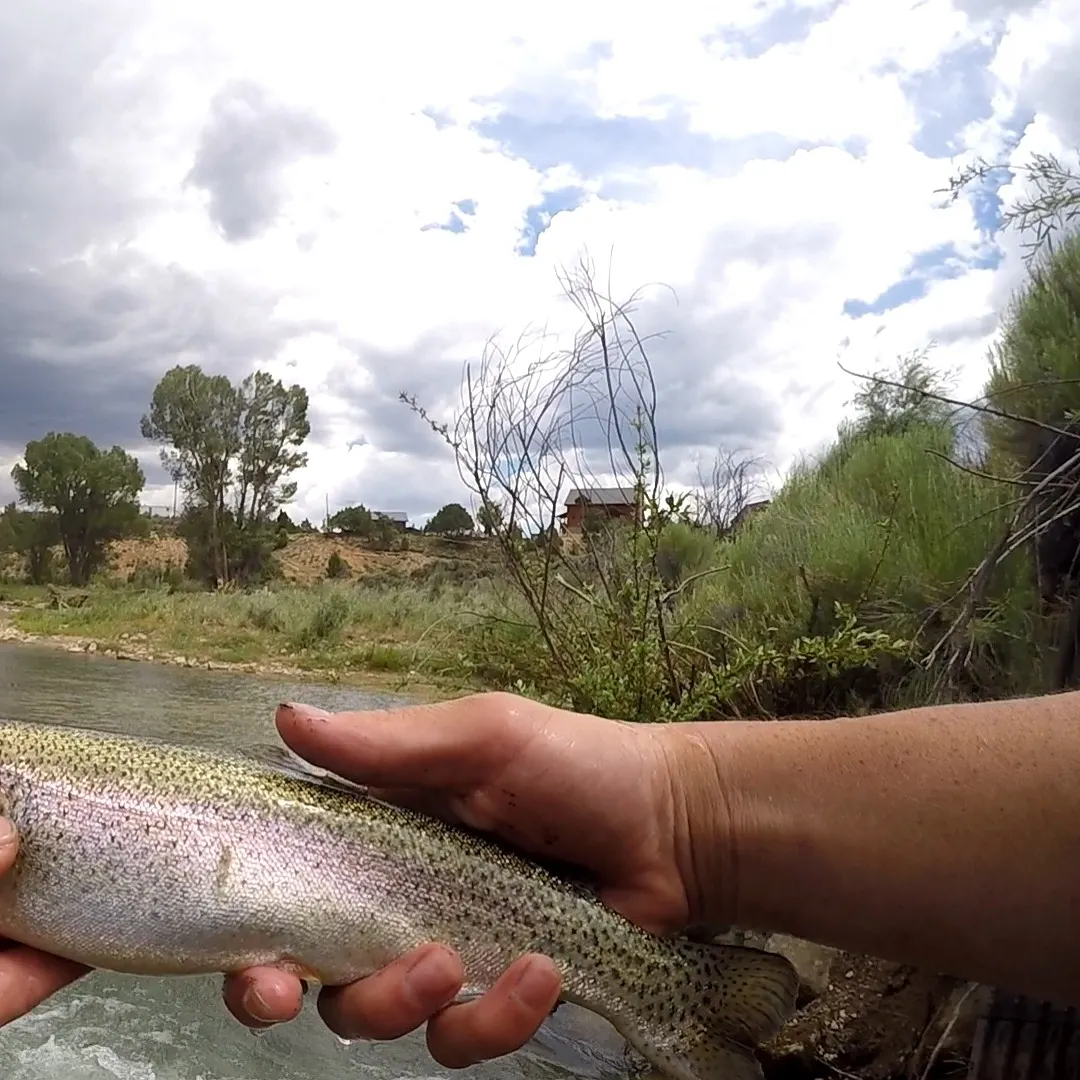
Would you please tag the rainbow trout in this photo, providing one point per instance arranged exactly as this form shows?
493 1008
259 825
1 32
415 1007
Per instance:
150 858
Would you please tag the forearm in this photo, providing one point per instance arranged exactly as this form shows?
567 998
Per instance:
948 838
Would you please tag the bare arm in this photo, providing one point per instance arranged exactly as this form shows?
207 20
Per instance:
945 837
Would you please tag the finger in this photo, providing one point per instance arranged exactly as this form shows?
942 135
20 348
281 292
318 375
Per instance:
451 744
28 977
501 1021
395 1000
263 996
9 845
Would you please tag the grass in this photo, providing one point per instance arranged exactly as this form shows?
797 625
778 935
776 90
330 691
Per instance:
334 627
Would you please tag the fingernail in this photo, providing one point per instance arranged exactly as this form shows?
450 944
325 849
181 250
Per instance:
7 833
255 1005
432 978
305 712
533 987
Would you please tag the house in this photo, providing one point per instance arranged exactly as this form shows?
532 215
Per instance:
617 502
398 518
748 511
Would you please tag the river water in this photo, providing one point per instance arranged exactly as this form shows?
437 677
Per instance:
110 1027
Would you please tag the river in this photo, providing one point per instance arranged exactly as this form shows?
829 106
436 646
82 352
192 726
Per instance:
110 1027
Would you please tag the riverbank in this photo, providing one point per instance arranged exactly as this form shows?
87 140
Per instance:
398 639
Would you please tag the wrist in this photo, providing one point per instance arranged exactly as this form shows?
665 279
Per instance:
737 824
704 821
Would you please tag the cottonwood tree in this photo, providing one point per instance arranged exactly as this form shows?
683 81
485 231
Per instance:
93 493
232 449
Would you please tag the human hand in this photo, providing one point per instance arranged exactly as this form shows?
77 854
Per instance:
596 793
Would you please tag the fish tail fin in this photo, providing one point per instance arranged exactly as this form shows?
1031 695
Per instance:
704 1017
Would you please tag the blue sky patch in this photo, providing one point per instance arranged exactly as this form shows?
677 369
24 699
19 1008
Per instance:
595 146
926 267
454 222
951 95
786 25
538 216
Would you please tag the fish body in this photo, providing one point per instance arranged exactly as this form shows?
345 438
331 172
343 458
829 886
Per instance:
150 858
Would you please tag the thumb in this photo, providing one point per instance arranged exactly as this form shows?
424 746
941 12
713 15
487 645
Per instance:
9 845
451 744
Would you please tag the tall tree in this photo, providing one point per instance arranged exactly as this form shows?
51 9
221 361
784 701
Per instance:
197 416
231 448
273 421
94 494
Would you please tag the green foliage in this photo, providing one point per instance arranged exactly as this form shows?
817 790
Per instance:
222 550
93 493
353 521
836 673
1035 365
31 534
149 577
890 532
684 551
377 529
232 448
327 621
452 520
336 566
489 517
196 416
898 399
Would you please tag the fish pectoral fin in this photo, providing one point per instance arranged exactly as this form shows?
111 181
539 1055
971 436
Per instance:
298 968
470 993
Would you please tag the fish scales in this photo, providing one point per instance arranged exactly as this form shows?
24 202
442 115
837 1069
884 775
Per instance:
151 858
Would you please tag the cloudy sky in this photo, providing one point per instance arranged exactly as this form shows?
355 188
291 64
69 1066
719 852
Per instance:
357 201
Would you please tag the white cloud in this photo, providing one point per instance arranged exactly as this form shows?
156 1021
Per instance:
765 162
